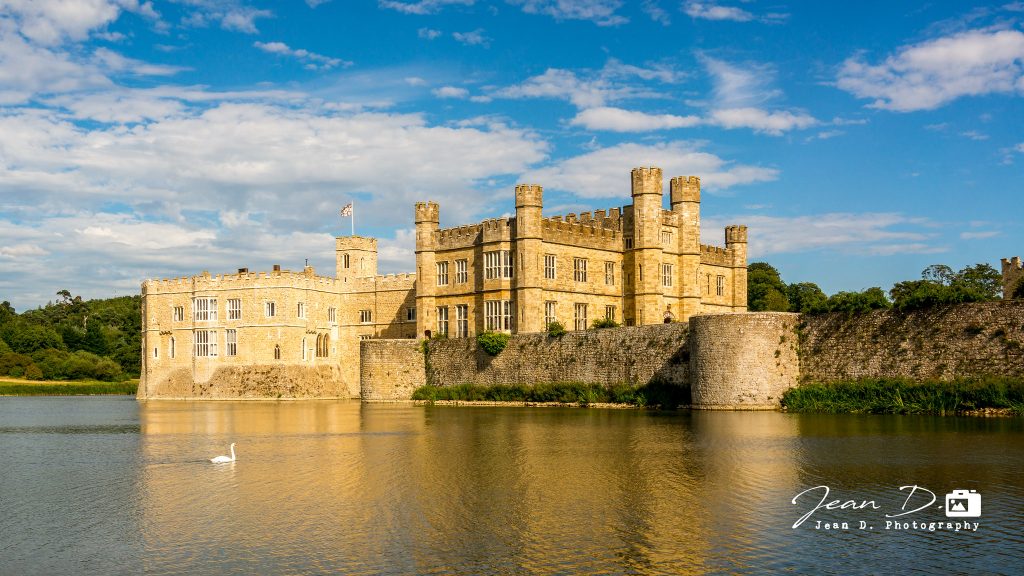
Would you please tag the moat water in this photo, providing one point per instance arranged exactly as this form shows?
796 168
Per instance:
113 486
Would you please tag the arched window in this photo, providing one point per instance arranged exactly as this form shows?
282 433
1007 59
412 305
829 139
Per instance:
322 345
172 348
303 348
277 351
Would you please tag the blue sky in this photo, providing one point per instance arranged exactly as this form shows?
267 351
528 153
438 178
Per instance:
859 141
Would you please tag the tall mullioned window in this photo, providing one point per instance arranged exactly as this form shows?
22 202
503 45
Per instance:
442 273
629 243
205 343
497 314
461 320
300 310
365 316
231 342
579 269
609 273
549 312
580 316
332 314
720 285
179 313
204 309
549 266
461 271
609 312
666 274
234 309
666 237
442 320
269 309
497 264
345 261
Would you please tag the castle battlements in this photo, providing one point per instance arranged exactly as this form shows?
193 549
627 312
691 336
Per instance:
241 280
715 255
1013 275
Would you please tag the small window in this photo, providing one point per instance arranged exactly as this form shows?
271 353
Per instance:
230 342
579 269
171 354
332 314
549 312
609 313
277 351
580 316
269 309
461 320
609 273
344 261
303 348
666 237
179 313
234 309
666 275
204 309
629 243
549 266
442 273
365 316
156 352
442 320
720 285
300 310
461 271
410 314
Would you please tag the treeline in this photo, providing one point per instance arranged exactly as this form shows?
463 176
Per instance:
72 339
939 284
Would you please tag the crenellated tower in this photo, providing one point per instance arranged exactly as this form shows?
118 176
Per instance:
1013 275
355 257
647 251
736 245
684 194
427 222
529 258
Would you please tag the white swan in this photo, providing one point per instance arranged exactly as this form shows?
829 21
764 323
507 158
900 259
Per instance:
225 459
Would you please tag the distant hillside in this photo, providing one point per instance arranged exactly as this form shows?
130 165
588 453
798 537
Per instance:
72 339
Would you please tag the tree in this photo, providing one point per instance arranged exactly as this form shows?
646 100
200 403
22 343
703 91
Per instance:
806 298
940 285
6 312
765 289
855 302
981 279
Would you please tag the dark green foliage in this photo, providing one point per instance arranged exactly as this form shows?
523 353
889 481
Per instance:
666 396
807 298
855 302
492 342
1018 292
556 329
940 285
765 289
899 396
109 331
605 323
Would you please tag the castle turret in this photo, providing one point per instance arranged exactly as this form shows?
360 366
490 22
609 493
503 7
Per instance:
736 244
529 258
426 274
355 257
647 250
1013 275
685 199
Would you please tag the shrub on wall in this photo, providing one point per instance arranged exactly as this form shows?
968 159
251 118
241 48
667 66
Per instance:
492 342
605 323
555 329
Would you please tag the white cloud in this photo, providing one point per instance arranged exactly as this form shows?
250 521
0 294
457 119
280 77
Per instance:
116 63
17 251
825 135
422 6
50 22
310 60
415 81
978 235
428 34
619 120
974 135
774 123
879 234
931 74
656 12
604 173
1020 147
243 19
712 11
450 92
740 86
474 38
600 12
593 90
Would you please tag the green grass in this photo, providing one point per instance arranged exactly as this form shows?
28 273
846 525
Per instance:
898 396
59 388
663 395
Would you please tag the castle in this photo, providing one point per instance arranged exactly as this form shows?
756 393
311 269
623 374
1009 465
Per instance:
296 334
1013 275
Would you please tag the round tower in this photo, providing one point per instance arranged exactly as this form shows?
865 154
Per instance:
736 244
647 249
684 197
426 232
528 246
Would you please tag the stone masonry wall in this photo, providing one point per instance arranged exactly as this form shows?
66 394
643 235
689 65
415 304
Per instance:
637 355
390 369
945 342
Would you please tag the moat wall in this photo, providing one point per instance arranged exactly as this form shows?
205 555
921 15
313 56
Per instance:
945 342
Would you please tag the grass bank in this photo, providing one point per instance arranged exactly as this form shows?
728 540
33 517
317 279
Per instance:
665 396
10 387
898 396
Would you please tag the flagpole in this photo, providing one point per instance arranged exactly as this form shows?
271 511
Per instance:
353 218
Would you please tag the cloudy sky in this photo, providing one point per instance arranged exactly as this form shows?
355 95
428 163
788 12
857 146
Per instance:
860 142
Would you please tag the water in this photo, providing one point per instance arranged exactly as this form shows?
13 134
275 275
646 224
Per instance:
109 485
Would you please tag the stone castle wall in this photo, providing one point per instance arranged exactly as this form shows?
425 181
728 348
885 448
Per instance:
390 369
985 338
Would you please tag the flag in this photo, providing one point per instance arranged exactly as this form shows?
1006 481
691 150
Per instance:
347 209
